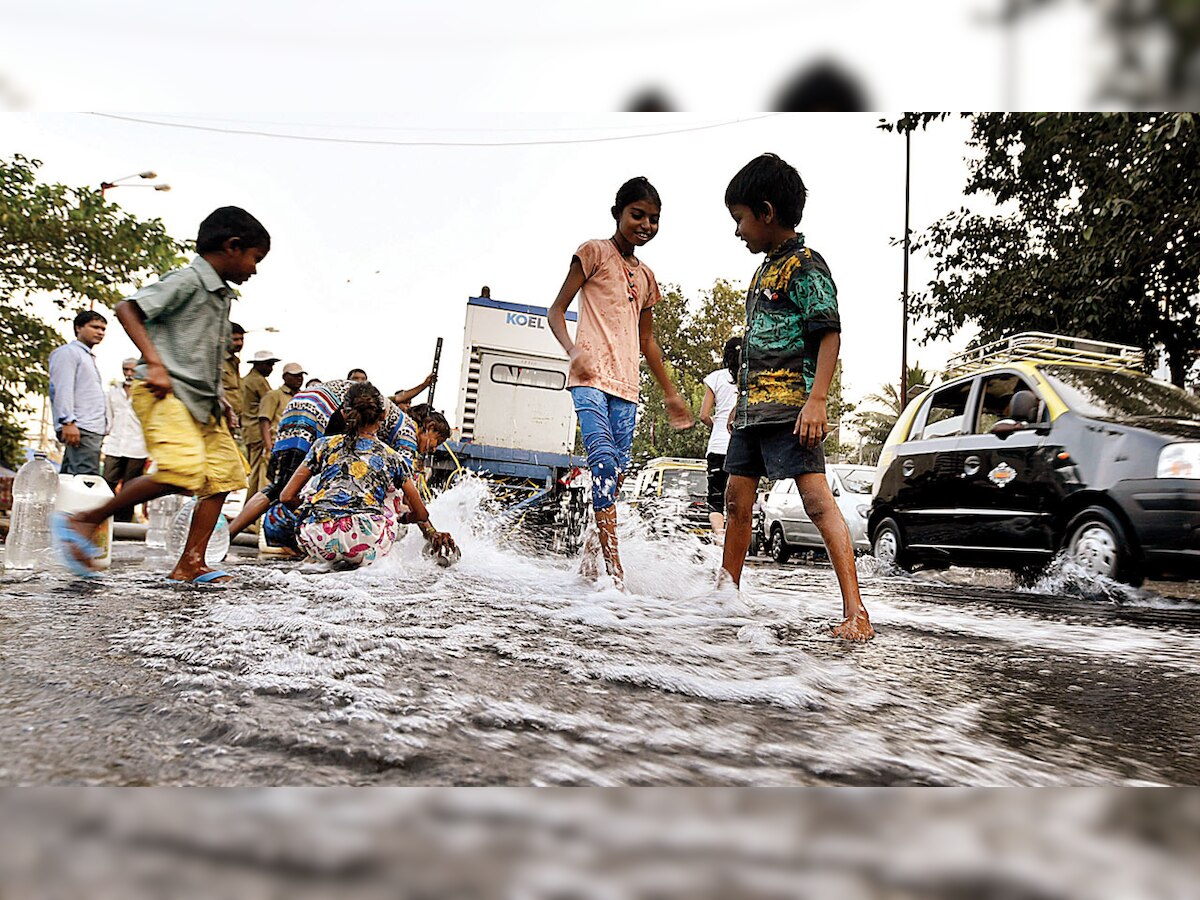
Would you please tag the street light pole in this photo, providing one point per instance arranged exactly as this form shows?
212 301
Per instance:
903 392
119 182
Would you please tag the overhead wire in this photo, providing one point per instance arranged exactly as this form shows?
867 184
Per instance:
379 142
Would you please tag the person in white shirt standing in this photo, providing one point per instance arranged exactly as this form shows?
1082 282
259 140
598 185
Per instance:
124 448
720 397
77 396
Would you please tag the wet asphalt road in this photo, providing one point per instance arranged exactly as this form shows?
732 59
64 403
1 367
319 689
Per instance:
509 669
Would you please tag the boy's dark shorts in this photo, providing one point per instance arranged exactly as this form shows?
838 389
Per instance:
773 451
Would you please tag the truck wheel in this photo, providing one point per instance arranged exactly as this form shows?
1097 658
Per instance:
1097 543
780 552
888 547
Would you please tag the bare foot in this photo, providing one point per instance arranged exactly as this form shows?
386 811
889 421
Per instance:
855 628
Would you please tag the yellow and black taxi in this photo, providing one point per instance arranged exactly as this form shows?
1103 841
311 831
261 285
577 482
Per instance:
1038 444
672 490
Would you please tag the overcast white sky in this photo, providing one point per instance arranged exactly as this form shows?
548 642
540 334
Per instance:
377 248
535 55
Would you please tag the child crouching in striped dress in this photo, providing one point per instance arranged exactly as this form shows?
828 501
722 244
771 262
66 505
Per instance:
348 516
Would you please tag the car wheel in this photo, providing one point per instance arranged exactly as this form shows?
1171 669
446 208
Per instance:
888 546
780 552
756 542
1097 543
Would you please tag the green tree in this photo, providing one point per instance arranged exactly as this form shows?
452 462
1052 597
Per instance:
68 244
874 425
1096 233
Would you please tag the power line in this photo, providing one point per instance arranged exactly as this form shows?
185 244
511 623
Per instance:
545 129
386 143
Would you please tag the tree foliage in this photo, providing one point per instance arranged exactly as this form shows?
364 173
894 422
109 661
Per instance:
874 425
1097 233
692 338
69 245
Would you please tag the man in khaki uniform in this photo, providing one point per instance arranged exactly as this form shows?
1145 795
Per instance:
231 376
256 430
272 406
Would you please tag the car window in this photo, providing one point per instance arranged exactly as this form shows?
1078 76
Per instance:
650 485
946 410
856 480
1104 394
685 483
996 399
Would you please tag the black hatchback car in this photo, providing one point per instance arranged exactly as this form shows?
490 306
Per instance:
1039 444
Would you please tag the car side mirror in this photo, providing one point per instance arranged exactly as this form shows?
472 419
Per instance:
1005 427
837 491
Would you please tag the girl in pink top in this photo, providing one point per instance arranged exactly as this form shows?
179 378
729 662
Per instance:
616 327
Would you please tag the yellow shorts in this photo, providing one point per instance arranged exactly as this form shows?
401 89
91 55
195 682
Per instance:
199 458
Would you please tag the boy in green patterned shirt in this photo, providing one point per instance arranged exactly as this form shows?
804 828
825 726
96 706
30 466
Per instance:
793 334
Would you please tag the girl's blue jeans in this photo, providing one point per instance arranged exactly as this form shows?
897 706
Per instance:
607 425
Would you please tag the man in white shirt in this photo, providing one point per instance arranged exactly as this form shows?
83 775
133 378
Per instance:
124 448
77 396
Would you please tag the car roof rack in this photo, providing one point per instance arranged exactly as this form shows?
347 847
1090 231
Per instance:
1040 346
673 460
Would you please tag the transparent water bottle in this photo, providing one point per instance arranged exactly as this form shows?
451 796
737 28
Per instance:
34 491
161 512
177 531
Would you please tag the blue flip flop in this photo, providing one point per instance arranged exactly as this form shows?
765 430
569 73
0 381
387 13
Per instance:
204 578
64 537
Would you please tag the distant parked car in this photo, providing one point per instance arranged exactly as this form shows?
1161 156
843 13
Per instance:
672 493
788 528
758 538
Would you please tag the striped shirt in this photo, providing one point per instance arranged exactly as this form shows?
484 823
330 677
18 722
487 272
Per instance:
306 419
76 389
187 319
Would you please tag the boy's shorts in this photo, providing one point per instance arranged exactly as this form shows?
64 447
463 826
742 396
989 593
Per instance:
199 458
773 451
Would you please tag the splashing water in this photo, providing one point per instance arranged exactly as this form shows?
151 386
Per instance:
511 667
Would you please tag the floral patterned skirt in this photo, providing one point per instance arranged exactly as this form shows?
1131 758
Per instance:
356 538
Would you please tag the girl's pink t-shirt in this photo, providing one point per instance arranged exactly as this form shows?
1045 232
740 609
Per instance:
610 306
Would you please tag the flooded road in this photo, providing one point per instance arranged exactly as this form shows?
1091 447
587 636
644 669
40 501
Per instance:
510 669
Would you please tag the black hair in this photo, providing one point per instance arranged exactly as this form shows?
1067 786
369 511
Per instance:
824 87
427 417
651 99
768 179
350 374
88 315
235 328
632 191
731 357
231 222
362 407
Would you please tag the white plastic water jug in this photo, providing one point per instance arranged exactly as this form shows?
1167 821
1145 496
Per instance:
77 493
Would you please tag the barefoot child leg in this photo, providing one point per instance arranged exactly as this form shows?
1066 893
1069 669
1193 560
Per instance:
616 326
789 354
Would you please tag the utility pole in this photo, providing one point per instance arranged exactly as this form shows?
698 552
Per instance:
903 392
